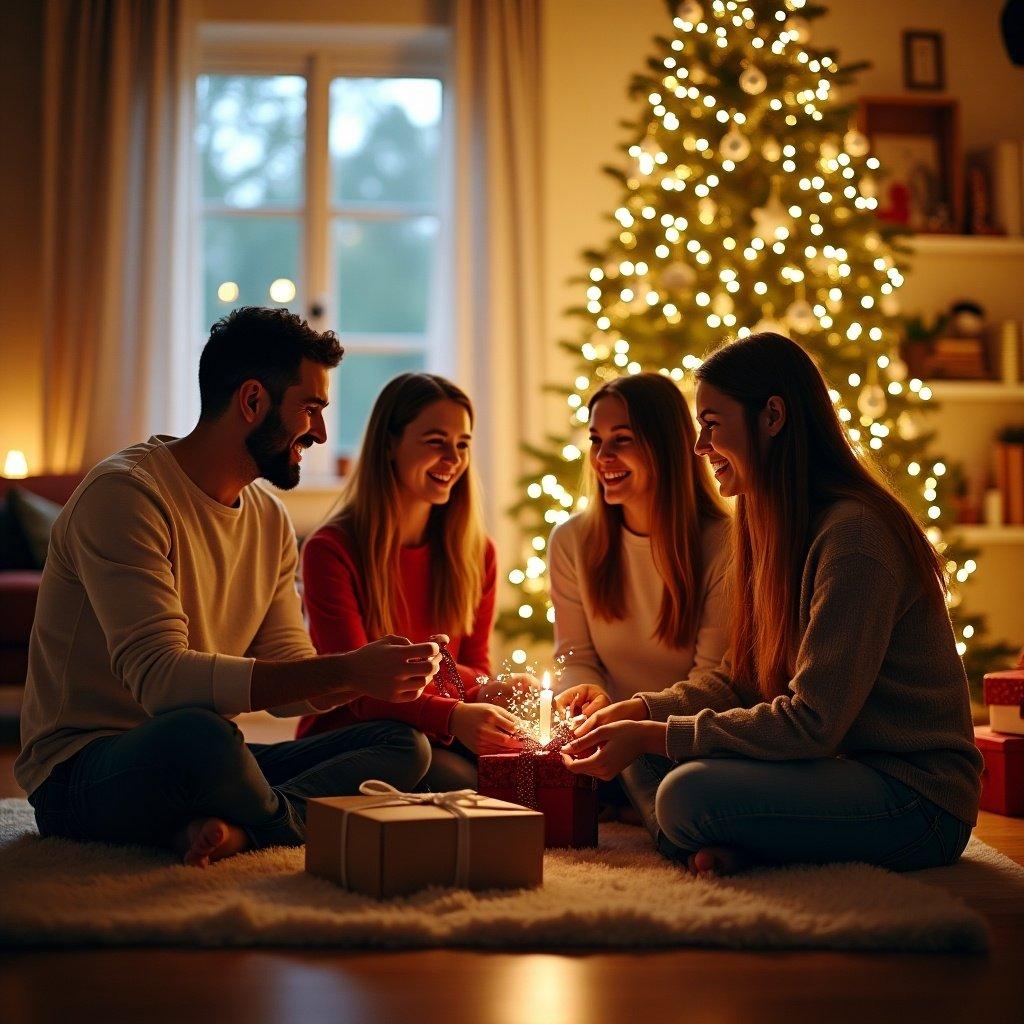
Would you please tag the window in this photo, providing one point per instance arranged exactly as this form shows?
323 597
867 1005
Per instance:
321 189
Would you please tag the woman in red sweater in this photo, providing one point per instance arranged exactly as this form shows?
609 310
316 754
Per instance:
406 554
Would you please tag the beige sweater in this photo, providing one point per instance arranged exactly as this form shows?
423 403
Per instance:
154 597
624 656
876 676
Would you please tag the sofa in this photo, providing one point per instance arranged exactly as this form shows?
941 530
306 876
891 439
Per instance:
21 570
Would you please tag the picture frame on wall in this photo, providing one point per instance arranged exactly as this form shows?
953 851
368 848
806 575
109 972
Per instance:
924 62
917 142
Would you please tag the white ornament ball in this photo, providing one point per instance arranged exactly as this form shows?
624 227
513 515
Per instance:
734 145
769 326
771 150
611 270
721 304
801 317
753 81
871 401
707 210
678 277
697 74
690 12
829 150
856 142
868 187
799 29
768 219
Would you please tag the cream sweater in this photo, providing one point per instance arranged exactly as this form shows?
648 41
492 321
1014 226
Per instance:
876 676
154 597
624 656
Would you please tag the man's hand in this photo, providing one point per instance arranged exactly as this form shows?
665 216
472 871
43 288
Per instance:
632 710
605 751
484 728
503 692
391 668
584 699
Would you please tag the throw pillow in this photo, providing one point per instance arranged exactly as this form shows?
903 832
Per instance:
15 553
36 517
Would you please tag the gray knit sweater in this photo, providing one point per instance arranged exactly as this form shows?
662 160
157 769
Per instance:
876 676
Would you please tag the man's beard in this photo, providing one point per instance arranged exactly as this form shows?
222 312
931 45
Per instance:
271 450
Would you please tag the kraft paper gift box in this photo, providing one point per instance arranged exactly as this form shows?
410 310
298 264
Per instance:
539 779
1002 781
1004 695
394 844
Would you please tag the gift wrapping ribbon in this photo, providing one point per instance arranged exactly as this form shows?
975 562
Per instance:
454 801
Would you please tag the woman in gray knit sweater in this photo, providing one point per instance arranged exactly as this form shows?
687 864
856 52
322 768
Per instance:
838 726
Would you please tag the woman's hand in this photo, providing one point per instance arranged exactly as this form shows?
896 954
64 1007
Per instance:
504 691
605 751
584 699
484 728
632 710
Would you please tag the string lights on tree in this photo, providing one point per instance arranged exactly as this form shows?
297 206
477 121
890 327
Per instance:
748 199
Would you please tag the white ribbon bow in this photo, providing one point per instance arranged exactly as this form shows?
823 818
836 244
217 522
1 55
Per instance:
454 801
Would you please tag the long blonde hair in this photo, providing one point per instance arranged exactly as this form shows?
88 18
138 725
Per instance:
369 513
808 466
683 501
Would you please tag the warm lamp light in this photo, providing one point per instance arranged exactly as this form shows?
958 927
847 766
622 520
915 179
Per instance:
15 465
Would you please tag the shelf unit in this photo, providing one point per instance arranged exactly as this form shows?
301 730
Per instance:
976 390
988 535
965 245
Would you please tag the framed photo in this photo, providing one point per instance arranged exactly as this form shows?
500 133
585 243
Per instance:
917 142
923 61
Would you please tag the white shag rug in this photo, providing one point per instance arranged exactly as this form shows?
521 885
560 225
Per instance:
622 895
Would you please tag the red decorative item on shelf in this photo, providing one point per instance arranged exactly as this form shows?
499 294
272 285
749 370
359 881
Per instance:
539 780
1002 782
1004 695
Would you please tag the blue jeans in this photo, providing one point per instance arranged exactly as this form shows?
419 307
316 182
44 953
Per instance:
144 785
780 812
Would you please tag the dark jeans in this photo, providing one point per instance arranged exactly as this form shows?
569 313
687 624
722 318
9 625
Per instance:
451 767
143 786
780 812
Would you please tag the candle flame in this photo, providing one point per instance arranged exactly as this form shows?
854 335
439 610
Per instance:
545 682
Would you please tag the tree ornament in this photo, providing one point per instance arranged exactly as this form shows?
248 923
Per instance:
769 325
856 142
753 80
871 401
690 12
801 317
907 426
734 145
799 29
697 73
897 368
771 150
868 187
889 305
678 277
722 304
828 149
611 270
707 209
773 217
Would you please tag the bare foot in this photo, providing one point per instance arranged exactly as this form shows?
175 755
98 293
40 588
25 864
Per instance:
715 862
206 840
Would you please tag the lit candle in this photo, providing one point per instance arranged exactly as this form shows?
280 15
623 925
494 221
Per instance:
15 465
546 697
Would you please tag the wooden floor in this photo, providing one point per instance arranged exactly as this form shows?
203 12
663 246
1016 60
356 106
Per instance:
153 986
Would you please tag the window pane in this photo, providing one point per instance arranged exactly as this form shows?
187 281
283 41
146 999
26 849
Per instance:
357 382
250 261
251 135
383 271
384 138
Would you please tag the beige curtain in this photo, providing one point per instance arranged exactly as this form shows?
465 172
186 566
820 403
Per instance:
497 244
117 98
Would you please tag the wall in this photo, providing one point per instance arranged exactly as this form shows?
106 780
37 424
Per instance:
21 358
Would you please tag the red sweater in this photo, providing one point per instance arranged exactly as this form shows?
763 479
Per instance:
335 597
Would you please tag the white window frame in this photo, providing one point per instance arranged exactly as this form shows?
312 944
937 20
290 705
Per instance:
321 53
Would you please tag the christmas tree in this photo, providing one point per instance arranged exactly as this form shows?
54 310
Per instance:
748 199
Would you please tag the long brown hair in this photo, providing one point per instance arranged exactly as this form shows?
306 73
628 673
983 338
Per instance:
683 500
808 465
369 512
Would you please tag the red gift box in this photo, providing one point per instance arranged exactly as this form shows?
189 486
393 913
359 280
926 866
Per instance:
539 780
1004 695
1002 781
